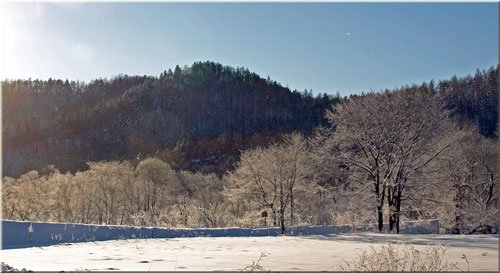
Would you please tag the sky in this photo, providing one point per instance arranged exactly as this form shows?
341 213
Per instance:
326 47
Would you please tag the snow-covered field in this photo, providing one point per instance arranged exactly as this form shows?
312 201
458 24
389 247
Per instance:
317 252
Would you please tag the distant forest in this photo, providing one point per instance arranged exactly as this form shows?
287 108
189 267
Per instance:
69 123
197 118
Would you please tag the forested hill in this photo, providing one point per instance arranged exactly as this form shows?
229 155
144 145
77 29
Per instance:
195 117
69 123
474 99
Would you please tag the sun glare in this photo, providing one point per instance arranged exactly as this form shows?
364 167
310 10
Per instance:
14 36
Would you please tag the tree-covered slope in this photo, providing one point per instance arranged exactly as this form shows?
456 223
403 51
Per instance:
69 123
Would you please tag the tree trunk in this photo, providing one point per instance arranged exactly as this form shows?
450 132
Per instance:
380 217
392 218
397 222
291 207
390 202
380 206
456 230
458 209
282 221
380 209
274 217
398 209
282 209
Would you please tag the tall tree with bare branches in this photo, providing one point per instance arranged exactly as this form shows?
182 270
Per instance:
388 138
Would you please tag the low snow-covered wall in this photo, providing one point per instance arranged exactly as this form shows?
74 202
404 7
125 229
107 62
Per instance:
18 234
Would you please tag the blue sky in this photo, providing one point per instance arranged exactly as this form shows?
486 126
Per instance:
326 47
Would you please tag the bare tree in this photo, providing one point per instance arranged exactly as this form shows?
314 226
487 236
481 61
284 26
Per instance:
270 176
108 181
157 176
468 175
26 197
64 203
296 168
208 200
388 138
10 195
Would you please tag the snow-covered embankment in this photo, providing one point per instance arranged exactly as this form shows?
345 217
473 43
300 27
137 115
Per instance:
19 234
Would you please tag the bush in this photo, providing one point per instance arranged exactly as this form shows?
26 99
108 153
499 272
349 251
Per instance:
401 257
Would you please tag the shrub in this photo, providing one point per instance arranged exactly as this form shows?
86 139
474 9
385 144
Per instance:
401 257
255 266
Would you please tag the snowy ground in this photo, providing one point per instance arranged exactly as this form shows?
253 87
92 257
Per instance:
234 253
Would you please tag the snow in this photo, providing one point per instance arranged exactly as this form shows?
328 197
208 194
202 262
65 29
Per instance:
16 234
67 247
312 253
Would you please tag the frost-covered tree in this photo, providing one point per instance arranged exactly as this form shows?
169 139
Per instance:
209 203
27 197
108 181
10 195
388 138
469 185
63 201
272 176
157 181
